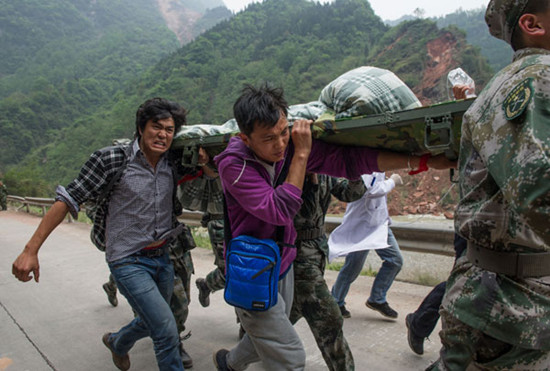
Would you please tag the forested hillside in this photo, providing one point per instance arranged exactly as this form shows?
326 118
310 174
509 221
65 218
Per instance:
497 52
297 44
63 59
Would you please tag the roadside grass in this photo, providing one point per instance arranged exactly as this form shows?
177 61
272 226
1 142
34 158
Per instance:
336 266
418 277
83 218
200 235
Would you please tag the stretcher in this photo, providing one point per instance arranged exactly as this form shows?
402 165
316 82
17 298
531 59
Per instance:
431 129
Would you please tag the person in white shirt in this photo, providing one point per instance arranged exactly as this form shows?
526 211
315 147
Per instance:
365 227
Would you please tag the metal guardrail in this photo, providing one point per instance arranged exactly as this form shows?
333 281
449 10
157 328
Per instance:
424 237
27 202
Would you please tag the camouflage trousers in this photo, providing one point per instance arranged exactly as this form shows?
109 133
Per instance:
179 303
215 280
466 348
314 302
3 201
111 284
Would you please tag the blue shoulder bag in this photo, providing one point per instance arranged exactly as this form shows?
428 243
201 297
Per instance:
252 266
252 273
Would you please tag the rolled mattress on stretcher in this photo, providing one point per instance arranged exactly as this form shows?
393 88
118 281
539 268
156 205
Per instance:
367 106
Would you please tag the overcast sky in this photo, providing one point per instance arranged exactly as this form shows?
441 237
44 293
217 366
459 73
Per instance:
394 9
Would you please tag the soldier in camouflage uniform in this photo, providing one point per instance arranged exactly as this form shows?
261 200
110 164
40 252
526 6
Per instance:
180 256
312 298
215 280
3 196
496 310
204 193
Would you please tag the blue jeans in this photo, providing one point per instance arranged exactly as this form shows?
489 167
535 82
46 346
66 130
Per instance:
147 283
392 263
426 316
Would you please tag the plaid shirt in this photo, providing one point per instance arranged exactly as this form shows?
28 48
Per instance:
92 179
94 176
90 183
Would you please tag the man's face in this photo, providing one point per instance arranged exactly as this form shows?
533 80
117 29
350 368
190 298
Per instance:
156 137
269 144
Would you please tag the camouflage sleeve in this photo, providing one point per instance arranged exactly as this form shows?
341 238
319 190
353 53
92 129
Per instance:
347 190
525 149
527 186
191 193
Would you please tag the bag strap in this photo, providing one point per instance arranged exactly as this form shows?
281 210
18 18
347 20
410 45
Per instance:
105 193
226 225
280 231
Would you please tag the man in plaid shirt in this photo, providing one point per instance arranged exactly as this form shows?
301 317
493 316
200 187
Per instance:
139 224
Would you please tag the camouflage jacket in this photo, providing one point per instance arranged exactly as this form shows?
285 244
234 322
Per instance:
202 194
505 202
316 199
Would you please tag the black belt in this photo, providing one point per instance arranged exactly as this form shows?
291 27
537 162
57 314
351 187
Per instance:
310 234
151 253
520 265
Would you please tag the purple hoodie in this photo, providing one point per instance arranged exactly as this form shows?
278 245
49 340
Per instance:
255 208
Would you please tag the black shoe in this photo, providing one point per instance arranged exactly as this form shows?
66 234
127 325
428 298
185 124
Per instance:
185 358
345 312
111 294
121 362
383 309
204 292
220 360
416 343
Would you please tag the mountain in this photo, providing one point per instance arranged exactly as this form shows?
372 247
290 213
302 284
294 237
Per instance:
472 22
63 59
189 18
297 44
497 52
303 49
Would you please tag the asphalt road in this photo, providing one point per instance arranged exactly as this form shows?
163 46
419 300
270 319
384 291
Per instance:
57 324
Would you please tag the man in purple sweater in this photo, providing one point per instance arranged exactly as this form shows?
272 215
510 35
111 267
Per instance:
249 169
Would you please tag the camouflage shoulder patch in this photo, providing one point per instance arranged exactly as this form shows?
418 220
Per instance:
518 99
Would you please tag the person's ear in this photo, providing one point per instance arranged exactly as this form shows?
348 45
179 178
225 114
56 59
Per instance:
532 25
245 139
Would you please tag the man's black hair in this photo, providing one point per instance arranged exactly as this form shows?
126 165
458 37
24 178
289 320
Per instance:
262 106
156 109
532 7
